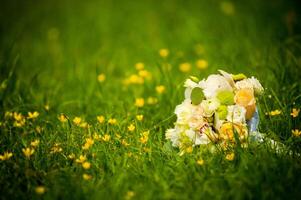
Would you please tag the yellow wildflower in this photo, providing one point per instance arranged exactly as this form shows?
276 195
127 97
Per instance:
40 190
101 78
139 66
275 112
77 120
295 112
200 162
160 89
134 79
8 114
86 165
230 156
33 115
185 67
84 125
18 116
27 152
152 100
145 74
106 137
7 155
163 53
296 133
144 137
87 177
118 136
81 159
89 142
201 64
129 195
62 118
112 121
100 119
96 136
56 148
47 107
35 143
19 123
139 102
38 129
189 149
71 156
139 117
124 143
131 127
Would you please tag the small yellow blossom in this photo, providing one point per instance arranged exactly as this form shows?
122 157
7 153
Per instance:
7 155
86 165
163 53
131 127
62 118
27 152
230 156
87 177
144 137
189 149
89 142
201 64
295 112
81 159
145 74
56 148
139 102
100 119
139 66
71 156
152 100
77 120
39 129
106 137
296 133
200 162
33 115
8 114
101 78
19 123
96 136
160 89
124 143
275 112
185 67
40 190
35 143
134 79
47 107
112 121
139 117
129 195
83 125
18 116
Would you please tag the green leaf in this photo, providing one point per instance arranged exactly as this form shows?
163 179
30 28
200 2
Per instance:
197 95
238 77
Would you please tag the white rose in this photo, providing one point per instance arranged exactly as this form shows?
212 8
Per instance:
250 83
213 84
209 106
236 114
173 135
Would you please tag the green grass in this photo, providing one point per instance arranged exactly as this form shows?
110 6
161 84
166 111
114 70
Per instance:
52 52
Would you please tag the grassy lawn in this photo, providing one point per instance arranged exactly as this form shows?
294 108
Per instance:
102 79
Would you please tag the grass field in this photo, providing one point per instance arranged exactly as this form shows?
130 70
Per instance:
98 119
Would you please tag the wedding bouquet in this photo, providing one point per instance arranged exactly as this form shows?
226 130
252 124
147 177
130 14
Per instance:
220 109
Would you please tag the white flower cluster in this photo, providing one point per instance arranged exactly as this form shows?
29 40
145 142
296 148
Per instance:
214 110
